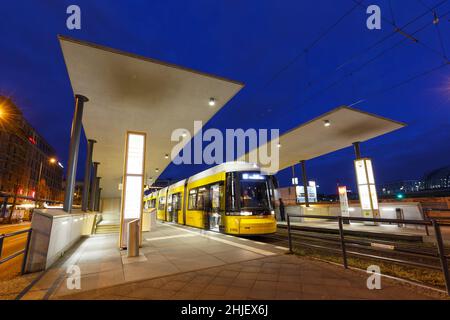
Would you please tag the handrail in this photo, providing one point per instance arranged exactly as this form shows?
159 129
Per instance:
17 253
434 222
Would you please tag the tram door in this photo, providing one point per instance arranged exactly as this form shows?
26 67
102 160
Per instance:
215 193
169 214
176 206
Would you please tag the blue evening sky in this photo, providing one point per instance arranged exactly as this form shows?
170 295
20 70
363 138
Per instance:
261 43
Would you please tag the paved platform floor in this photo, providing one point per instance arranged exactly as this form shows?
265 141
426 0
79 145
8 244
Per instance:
186 263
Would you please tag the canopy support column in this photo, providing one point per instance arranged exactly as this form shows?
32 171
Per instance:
87 175
73 151
93 188
305 182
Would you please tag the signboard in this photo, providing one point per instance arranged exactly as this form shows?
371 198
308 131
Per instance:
312 192
343 199
133 182
366 188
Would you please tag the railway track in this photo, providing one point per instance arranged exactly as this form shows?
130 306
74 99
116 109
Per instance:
401 252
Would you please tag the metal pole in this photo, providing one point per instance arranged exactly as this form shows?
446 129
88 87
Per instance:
357 150
92 191
289 232
1 245
73 152
341 235
305 182
25 254
36 196
97 194
87 175
441 251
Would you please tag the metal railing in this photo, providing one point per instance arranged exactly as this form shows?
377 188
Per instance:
435 223
17 253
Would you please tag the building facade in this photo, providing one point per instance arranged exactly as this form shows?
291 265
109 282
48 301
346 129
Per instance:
435 181
28 164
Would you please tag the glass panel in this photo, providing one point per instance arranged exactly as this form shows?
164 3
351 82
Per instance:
364 197
360 171
192 200
254 194
132 204
135 155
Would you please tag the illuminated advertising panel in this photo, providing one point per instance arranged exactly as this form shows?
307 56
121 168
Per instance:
312 192
366 188
343 199
133 182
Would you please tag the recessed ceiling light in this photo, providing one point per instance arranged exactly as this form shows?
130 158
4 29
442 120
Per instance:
326 123
156 170
166 156
212 102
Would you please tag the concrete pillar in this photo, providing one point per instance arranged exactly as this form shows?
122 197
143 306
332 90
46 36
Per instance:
357 150
73 152
87 175
305 182
93 188
97 197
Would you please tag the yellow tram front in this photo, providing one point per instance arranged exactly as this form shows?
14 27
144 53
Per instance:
249 205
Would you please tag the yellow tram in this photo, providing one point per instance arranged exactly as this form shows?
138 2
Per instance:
233 197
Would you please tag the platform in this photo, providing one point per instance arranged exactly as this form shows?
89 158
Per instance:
186 263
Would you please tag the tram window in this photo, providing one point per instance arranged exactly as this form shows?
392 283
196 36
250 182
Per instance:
216 193
176 200
162 203
152 203
192 200
231 192
254 194
202 197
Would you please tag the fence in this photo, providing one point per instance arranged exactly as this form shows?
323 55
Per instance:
433 222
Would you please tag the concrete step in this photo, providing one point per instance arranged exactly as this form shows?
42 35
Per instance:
107 228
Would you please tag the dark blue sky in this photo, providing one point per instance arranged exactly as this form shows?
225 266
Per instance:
251 41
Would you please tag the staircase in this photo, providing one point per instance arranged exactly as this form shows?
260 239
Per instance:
105 228
110 223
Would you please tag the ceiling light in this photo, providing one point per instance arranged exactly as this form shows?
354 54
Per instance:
166 156
326 123
212 102
184 134
156 170
279 145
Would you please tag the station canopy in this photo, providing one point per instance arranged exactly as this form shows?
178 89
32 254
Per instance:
130 92
329 132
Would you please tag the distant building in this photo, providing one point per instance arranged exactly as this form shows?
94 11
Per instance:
24 156
434 181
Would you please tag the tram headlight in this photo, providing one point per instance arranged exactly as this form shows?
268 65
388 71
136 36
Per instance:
272 212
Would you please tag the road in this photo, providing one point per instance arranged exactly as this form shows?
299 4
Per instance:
11 245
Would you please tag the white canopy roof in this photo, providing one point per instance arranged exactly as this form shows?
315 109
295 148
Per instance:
313 139
129 92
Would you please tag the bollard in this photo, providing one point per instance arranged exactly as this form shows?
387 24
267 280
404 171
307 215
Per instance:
133 238
289 233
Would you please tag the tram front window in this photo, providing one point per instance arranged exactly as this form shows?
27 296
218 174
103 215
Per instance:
254 192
